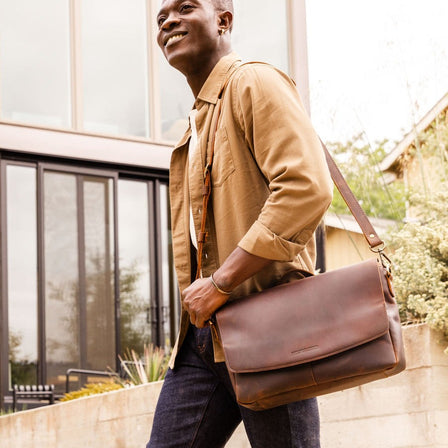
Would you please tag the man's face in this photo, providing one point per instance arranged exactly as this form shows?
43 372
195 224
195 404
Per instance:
188 32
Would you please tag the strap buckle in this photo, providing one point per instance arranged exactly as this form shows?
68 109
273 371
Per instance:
378 249
386 262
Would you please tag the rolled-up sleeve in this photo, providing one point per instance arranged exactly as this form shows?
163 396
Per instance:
289 154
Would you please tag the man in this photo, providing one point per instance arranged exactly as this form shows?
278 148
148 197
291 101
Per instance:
270 189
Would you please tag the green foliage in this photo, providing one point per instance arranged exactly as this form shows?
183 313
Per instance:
92 389
359 163
421 262
421 245
152 366
23 372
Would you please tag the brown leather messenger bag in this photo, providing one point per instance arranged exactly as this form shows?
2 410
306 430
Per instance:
314 336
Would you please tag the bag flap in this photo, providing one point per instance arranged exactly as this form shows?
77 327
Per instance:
304 321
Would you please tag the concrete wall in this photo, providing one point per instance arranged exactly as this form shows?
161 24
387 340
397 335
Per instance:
119 419
409 410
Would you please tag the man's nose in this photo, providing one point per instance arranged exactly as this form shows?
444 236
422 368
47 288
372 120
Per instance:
170 22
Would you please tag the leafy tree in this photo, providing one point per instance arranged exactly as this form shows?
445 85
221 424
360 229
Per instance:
359 163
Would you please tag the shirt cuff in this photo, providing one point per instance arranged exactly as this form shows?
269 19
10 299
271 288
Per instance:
262 242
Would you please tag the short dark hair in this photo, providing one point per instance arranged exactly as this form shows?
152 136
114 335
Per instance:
223 5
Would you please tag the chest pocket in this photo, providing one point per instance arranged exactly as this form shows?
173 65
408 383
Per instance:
223 163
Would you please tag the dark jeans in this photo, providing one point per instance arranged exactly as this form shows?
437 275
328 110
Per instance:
197 407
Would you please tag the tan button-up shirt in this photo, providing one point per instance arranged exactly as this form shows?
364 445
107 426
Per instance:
270 182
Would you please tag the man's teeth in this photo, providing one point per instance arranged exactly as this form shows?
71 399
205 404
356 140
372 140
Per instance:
172 38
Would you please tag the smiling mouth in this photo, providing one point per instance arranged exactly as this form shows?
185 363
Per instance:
174 38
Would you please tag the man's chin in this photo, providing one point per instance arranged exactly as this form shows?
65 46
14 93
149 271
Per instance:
178 60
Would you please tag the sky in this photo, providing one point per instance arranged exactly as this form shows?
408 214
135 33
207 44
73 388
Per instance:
375 67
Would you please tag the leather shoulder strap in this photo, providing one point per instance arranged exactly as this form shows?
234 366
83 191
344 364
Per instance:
375 242
207 187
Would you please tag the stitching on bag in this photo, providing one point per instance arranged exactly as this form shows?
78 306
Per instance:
312 373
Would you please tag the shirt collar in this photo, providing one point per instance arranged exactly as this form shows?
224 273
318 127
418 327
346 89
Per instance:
215 81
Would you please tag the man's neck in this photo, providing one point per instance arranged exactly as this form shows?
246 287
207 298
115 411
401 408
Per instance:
197 79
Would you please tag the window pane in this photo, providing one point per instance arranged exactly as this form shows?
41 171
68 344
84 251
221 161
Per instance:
177 101
22 273
34 61
100 303
170 299
135 295
115 67
62 321
261 33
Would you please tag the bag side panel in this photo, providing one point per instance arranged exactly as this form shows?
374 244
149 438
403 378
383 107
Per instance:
394 324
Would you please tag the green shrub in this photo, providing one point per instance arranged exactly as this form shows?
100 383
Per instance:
421 262
152 366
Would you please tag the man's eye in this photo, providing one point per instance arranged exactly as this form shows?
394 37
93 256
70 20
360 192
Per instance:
160 21
185 8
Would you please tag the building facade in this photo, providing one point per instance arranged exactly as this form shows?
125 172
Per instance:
89 112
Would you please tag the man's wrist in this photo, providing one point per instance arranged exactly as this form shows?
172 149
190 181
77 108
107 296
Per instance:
218 287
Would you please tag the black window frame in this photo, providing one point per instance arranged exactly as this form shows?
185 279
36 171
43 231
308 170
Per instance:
154 178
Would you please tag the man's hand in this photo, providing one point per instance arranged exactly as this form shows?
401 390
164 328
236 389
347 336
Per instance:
201 299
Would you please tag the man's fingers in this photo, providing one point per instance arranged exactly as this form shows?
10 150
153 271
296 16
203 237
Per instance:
200 323
196 320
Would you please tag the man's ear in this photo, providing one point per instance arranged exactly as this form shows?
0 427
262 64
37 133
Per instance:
225 21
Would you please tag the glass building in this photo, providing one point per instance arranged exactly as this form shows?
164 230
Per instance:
89 111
